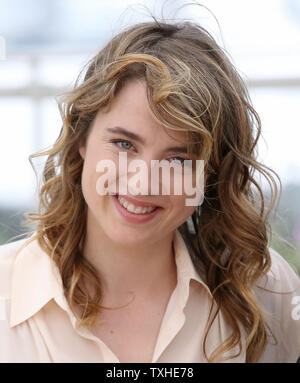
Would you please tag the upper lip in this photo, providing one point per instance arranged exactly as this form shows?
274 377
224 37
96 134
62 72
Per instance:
137 202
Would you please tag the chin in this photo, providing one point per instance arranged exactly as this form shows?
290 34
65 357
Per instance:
127 236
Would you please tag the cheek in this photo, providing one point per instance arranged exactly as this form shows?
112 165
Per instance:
179 208
89 176
93 169
87 182
96 202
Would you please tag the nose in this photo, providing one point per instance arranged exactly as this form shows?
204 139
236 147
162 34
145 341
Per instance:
149 178
139 176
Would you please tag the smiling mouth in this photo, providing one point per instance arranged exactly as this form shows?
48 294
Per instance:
134 208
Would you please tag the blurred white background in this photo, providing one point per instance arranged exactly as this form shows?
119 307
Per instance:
48 42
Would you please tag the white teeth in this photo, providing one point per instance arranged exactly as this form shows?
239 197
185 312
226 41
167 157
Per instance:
131 208
135 209
138 210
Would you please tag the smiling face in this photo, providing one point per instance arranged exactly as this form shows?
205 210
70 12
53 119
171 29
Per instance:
129 127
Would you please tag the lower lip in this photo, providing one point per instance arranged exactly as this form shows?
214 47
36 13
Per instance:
135 218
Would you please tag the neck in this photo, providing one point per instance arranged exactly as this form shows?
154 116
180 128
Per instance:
143 269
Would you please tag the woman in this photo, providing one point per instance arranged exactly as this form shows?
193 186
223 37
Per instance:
127 277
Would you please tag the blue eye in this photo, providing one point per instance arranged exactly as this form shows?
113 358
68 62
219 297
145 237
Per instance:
178 160
124 144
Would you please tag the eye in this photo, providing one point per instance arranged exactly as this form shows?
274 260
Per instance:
123 144
178 160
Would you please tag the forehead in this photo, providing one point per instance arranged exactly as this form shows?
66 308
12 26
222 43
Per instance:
130 109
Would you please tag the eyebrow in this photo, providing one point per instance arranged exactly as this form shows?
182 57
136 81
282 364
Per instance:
137 138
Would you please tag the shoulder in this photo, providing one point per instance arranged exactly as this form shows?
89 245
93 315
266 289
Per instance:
278 295
18 343
279 285
280 275
7 250
8 253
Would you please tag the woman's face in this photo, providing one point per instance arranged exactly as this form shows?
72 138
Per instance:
141 138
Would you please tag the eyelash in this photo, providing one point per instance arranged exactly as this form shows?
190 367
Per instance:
116 141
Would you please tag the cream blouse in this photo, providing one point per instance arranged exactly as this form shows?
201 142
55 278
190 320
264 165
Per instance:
37 325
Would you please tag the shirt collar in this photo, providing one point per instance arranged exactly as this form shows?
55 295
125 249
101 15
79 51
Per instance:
36 279
186 270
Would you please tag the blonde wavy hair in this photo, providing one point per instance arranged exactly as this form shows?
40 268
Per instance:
192 87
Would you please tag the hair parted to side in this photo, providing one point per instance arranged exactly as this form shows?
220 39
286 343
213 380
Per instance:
192 86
